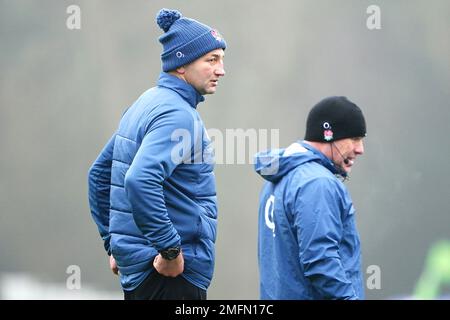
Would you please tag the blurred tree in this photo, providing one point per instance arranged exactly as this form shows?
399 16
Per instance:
436 272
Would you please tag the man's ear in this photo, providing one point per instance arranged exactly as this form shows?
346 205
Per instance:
181 70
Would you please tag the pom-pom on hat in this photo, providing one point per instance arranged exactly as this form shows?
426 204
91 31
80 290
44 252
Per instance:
185 39
335 118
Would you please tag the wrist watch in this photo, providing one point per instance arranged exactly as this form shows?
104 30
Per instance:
170 253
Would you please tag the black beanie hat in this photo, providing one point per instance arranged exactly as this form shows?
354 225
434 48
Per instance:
335 118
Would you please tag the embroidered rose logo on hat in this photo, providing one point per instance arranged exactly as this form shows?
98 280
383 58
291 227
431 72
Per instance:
216 35
328 135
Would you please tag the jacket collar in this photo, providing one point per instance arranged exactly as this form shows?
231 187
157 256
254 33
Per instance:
325 161
185 90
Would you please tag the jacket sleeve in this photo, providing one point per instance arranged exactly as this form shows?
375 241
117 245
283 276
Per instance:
319 232
99 189
156 159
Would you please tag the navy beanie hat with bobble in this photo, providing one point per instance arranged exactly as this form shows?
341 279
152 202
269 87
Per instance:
185 40
335 118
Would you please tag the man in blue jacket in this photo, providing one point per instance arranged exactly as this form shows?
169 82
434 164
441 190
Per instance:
152 188
308 244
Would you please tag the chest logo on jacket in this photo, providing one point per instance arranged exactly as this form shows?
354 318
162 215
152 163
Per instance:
268 214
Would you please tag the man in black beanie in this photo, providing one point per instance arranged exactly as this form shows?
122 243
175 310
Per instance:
308 243
336 126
